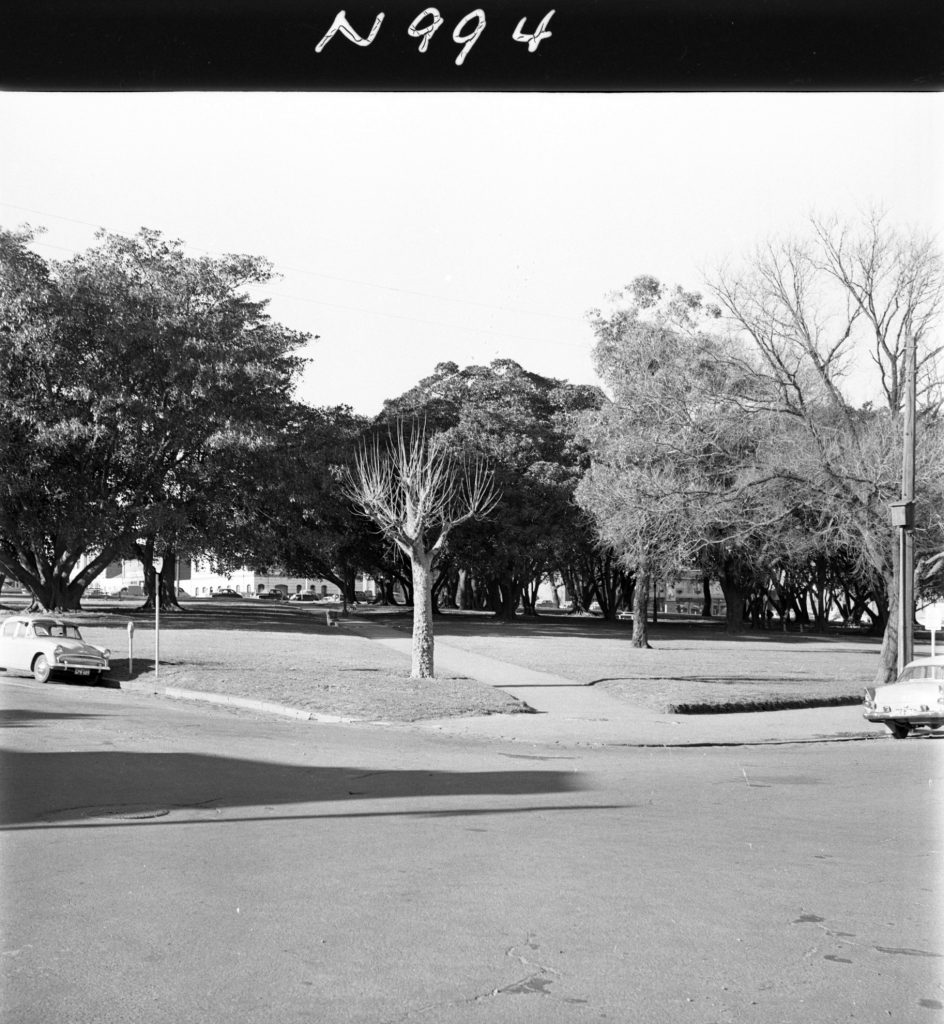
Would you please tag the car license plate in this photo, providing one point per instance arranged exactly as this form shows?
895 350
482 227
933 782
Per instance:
83 671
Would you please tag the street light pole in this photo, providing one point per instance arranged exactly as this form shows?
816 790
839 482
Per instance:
906 535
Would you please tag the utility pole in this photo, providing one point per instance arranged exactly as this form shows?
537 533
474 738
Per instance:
906 532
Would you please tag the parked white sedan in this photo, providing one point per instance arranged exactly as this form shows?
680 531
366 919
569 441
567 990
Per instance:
43 644
916 698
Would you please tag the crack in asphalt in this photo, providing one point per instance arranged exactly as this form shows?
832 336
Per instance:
844 939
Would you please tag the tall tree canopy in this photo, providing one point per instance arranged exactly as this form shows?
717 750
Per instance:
768 429
518 422
122 372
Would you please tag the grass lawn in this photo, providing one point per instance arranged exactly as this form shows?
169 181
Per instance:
693 667
285 653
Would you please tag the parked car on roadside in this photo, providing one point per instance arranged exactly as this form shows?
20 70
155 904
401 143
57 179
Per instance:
227 594
916 698
43 644
271 595
303 597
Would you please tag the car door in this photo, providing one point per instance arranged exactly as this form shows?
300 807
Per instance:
13 645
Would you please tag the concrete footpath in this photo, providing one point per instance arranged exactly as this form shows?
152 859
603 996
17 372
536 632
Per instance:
569 713
580 714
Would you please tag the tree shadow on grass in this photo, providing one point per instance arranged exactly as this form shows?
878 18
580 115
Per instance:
96 788
778 682
290 617
450 624
284 617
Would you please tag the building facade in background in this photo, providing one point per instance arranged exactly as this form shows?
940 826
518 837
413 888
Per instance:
198 578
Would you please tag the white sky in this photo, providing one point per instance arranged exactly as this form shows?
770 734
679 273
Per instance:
416 228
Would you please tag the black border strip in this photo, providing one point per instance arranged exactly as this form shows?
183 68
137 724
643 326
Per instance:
648 45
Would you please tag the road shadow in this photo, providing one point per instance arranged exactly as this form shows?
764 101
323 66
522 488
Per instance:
118 787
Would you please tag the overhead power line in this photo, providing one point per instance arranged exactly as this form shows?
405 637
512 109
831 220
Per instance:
333 277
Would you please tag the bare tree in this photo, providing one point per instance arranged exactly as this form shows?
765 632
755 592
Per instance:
417 493
824 319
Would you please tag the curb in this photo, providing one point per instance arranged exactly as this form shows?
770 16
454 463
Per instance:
225 700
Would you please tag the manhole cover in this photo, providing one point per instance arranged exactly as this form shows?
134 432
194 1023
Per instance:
130 812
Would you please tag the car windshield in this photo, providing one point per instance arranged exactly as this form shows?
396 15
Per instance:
56 629
917 673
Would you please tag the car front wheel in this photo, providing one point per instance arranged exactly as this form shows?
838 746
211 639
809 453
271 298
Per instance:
899 730
42 670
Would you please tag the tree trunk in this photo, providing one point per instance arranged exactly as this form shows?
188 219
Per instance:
510 596
706 597
57 595
465 598
422 615
734 595
640 609
349 584
167 583
887 670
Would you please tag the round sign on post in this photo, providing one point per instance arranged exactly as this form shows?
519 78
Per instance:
934 617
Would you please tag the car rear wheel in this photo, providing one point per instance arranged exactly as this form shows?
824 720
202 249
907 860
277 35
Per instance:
899 730
42 670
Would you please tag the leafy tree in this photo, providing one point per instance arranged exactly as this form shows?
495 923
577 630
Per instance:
518 422
124 371
669 449
303 521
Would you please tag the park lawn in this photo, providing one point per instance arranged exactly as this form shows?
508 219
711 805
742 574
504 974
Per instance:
691 668
284 655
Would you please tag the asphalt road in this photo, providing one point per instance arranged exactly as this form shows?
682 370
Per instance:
179 864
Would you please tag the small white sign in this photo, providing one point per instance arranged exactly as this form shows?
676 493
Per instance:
933 617
158 564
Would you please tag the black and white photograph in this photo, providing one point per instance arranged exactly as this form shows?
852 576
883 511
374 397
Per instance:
469 554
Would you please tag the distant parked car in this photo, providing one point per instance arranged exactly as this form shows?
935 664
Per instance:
227 594
94 592
916 698
303 597
42 644
271 595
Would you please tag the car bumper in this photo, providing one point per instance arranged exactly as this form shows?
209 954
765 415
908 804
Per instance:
80 668
911 715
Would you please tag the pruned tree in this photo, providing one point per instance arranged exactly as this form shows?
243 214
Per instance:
417 493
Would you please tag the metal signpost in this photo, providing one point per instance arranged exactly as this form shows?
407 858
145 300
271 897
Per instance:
158 565
934 620
130 649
